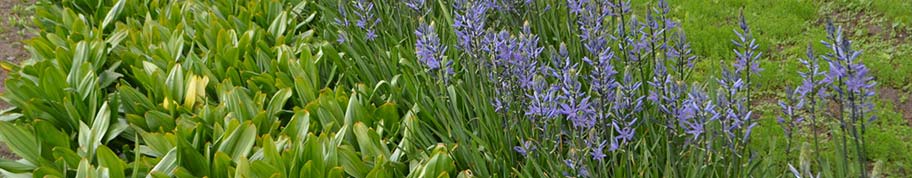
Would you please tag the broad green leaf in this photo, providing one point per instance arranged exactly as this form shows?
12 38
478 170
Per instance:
82 76
242 168
238 103
108 159
167 163
305 80
328 111
85 170
113 13
156 144
440 164
176 46
261 169
277 28
10 117
109 76
382 168
275 106
158 175
351 162
100 126
15 167
271 153
389 114
51 135
369 142
138 122
21 142
45 171
221 163
379 171
299 125
134 102
115 38
314 152
335 172
191 159
150 68
175 84
119 126
157 120
84 139
308 170
410 125
180 172
354 113
68 156
240 142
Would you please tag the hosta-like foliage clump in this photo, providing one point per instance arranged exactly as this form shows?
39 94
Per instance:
198 89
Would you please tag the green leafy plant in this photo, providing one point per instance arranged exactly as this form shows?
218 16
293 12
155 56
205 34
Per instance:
199 89
418 88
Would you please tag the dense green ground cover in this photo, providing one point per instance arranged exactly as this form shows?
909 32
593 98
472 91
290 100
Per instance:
266 88
880 28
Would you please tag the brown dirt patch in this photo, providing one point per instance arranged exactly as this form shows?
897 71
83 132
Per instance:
11 50
764 101
872 23
11 46
895 96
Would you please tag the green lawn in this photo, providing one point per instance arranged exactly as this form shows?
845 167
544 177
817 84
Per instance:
784 28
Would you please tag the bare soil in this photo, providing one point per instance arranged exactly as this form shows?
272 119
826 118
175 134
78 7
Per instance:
875 26
11 50
761 101
895 96
11 45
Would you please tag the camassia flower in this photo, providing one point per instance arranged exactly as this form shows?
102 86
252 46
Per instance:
667 96
851 88
526 148
747 54
732 107
848 77
602 77
790 115
544 100
626 107
429 49
811 82
593 30
597 153
470 25
342 20
365 20
364 10
696 112
576 6
682 53
637 41
574 102
515 67
416 5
